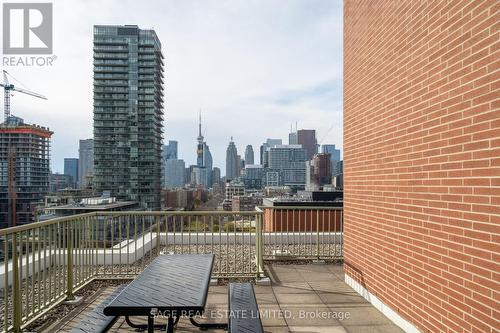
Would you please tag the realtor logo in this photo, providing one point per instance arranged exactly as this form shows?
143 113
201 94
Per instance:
27 28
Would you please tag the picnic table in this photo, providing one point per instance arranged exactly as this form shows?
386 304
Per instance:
171 286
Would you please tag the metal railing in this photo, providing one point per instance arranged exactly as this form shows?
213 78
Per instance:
45 263
303 232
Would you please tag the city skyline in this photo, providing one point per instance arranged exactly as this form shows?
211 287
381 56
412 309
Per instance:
257 88
336 162
240 147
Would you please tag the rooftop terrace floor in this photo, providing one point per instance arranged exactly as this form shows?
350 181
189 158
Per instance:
301 298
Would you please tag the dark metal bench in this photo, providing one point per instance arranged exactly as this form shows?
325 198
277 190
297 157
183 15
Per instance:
244 316
96 321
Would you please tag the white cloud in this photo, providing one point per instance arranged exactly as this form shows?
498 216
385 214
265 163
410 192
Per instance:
236 60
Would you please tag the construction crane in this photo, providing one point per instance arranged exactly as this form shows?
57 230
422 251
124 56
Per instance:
324 136
7 88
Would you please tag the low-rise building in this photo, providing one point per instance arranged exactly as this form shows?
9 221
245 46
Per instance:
178 198
322 211
277 191
59 181
183 198
243 203
66 196
88 205
227 205
234 188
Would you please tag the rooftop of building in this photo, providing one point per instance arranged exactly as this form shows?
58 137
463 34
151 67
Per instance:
235 183
308 198
16 125
80 206
318 291
294 146
279 202
253 166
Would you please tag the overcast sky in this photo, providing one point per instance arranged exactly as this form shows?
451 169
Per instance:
252 67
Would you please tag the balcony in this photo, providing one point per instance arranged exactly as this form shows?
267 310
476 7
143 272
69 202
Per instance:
81 254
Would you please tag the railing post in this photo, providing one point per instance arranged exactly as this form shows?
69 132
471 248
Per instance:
342 232
317 234
259 245
69 266
261 237
16 286
157 235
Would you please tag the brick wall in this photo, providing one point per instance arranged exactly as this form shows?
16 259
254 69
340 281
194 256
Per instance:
288 220
422 159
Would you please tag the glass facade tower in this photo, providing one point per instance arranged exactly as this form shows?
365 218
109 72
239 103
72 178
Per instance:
85 162
289 161
231 161
128 113
249 156
71 169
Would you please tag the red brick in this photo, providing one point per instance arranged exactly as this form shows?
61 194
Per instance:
422 158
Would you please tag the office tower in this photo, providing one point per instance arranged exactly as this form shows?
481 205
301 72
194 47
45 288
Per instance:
232 163
71 169
25 150
292 138
170 151
253 176
239 165
311 184
216 175
189 175
128 113
174 173
208 163
261 155
274 142
339 168
249 156
85 162
200 176
334 155
322 169
307 138
265 146
289 162
330 149
338 176
338 181
318 172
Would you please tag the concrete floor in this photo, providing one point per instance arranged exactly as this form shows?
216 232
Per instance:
301 298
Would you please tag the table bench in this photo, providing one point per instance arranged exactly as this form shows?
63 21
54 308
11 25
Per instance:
96 321
171 286
244 313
